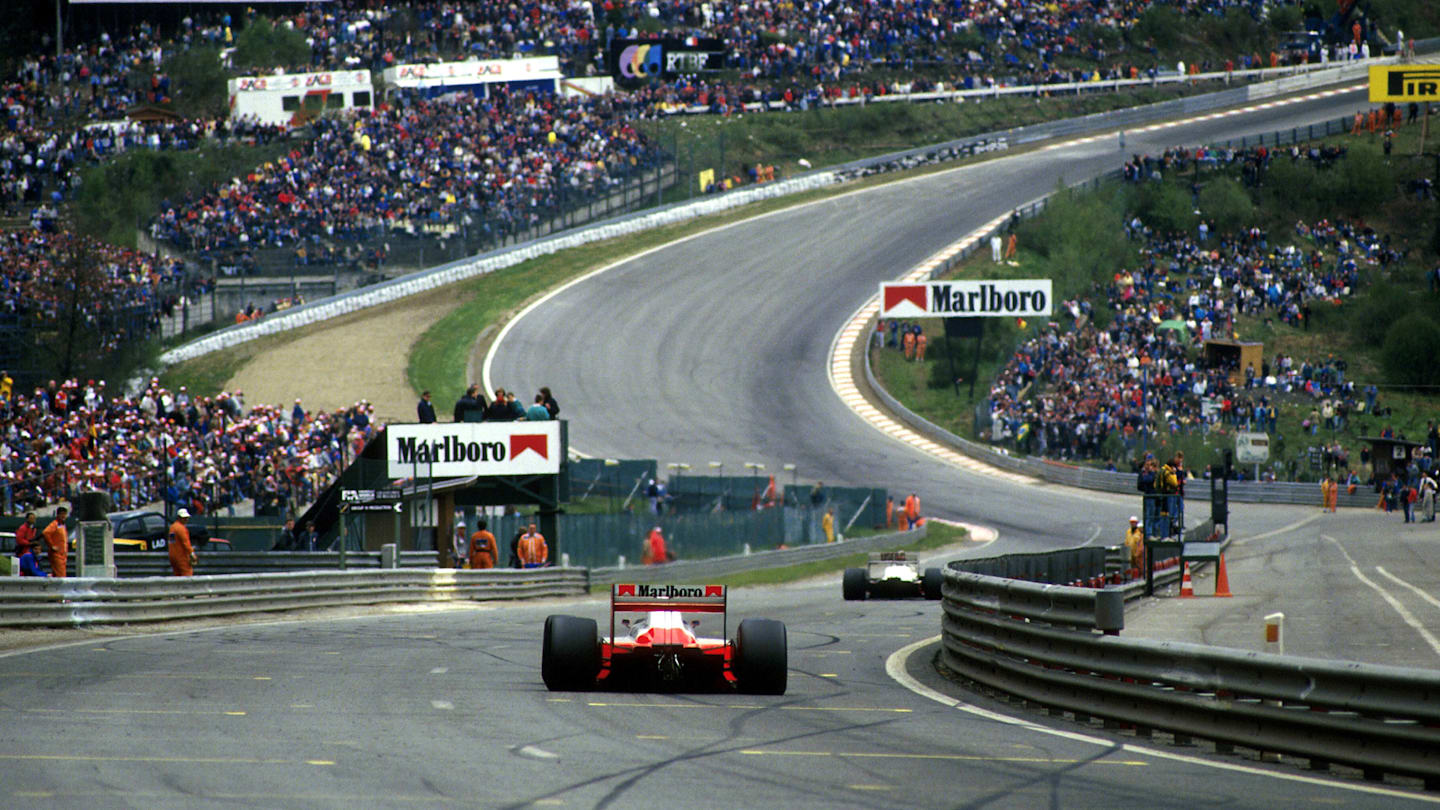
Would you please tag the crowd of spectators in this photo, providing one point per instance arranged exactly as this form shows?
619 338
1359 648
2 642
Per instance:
131 291
202 453
427 165
1141 365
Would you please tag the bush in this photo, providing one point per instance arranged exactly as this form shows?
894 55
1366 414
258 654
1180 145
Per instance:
1225 202
1375 312
1411 344
1364 181
1082 235
1160 26
1166 208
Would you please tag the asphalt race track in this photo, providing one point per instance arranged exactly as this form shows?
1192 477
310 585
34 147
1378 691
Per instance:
716 348
713 348
447 710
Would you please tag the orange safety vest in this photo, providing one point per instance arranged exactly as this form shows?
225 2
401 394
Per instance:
533 549
180 550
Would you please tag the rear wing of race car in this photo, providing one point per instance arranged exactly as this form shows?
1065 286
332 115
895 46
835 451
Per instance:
890 556
642 598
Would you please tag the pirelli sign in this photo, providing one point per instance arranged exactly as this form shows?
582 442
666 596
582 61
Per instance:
1010 298
1405 83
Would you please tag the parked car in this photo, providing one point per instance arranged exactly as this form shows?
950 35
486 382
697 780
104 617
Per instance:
142 530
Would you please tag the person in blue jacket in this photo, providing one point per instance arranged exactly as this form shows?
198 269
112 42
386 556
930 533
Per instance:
29 566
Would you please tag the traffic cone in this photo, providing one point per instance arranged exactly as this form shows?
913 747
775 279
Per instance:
1222 582
1187 589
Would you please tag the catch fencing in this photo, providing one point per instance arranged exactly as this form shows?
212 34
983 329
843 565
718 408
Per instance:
52 602
1043 644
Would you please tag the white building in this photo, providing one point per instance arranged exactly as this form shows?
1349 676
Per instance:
292 98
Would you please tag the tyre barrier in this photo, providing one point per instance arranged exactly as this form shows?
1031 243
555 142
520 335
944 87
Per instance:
1038 643
47 602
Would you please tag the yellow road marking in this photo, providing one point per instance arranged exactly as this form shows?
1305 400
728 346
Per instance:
262 677
651 737
944 757
828 675
558 700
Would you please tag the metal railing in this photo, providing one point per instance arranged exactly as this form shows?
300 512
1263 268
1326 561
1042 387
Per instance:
1379 719
72 601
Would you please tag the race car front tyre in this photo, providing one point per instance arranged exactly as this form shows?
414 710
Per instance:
853 584
931 582
760 657
570 653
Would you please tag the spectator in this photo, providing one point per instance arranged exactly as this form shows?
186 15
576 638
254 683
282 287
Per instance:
287 541
537 412
550 404
499 409
467 403
424 410
25 534
30 563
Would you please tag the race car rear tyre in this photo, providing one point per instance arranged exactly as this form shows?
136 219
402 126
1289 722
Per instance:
570 653
853 584
931 582
760 657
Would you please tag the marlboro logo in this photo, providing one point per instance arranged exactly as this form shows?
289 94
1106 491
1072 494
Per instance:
538 442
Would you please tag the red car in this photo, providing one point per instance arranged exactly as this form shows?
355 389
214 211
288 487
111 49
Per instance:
663 649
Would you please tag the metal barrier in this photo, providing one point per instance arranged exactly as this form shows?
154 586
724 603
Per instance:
131 564
700 570
27 602
1380 719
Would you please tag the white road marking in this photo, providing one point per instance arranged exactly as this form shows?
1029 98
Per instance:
535 752
1405 615
439 670
1282 530
895 668
443 705
1398 581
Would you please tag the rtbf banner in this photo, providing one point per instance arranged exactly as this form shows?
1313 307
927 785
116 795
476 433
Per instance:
1011 298
472 448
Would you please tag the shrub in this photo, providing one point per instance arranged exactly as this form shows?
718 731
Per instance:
1411 345
1225 201
1166 208
1377 310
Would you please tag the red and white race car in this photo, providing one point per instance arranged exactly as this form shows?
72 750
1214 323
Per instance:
663 649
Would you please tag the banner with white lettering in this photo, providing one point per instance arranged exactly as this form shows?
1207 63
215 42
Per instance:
458 449
1010 298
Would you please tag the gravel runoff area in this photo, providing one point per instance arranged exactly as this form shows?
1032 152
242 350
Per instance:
357 358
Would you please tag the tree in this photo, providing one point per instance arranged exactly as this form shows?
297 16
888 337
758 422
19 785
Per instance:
262 45
72 302
198 83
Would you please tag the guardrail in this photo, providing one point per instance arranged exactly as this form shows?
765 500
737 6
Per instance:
700 570
1379 719
131 564
431 278
48 602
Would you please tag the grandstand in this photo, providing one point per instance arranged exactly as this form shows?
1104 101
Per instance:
393 172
